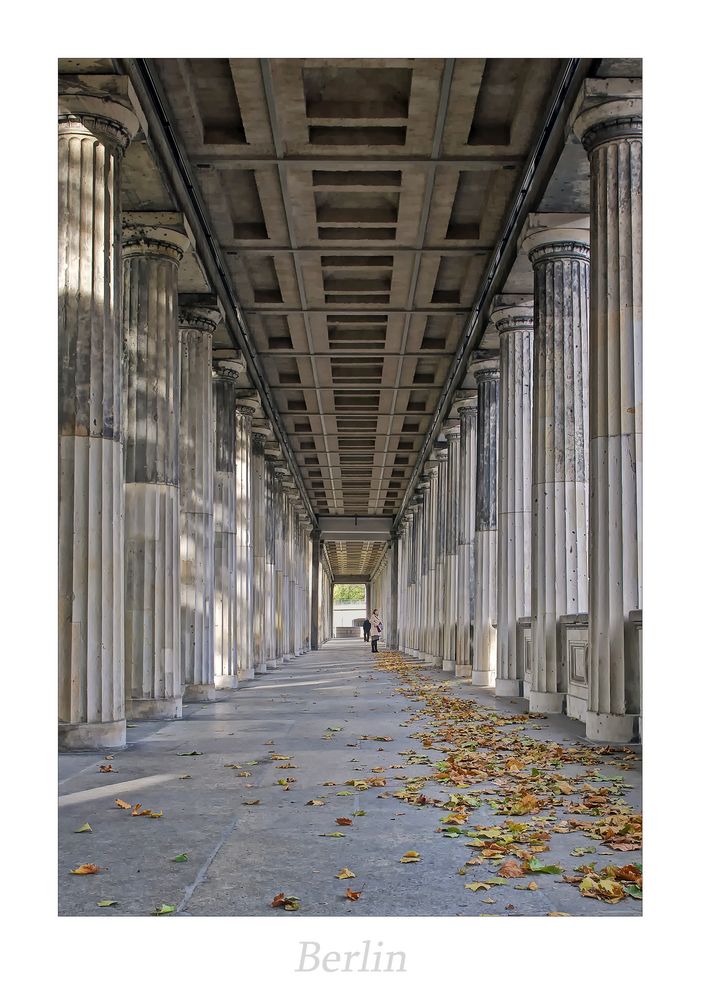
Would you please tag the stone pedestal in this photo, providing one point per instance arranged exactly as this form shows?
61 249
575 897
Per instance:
93 133
466 405
486 374
610 126
558 247
153 245
225 375
515 326
198 318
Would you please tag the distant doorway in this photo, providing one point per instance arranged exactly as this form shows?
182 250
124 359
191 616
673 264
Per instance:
349 610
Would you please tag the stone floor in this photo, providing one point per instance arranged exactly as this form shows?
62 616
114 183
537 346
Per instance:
318 711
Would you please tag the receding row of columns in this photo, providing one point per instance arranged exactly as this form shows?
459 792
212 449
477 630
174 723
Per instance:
185 552
531 510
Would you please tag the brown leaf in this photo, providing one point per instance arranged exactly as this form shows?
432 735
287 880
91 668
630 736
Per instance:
315 802
511 869
107 769
353 896
344 821
88 869
122 804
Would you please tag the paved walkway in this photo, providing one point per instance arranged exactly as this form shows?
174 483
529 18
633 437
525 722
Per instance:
301 734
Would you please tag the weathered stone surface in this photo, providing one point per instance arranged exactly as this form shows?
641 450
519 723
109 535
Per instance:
514 323
611 130
558 247
90 457
486 373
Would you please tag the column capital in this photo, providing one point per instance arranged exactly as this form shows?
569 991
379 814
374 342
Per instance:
509 318
451 429
198 312
555 234
262 430
608 109
465 399
228 369
485 370
248 402
155 234
105 105
273 451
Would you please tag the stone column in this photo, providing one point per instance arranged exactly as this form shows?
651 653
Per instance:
558 247
247 406
316 555
611 131
226 373
486 373
450 566
198 318
154 243
515 326
438 607
466 405
93 133
262 432
272 454
393 633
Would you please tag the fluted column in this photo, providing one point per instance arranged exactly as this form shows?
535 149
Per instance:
466 405
93 133
486 374
226 374
261 433
198 318
514 324
246 408
611 132
558 247
393 596
438 609
153 247
272 454
450 546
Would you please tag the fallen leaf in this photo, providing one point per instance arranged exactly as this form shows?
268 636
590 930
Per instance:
251 802
108 902
190 753
163 909
155 815
180 857
352 895
511 869
339 834
279 756
345 873
557 913
122 804
344 821
85 828
107 769
360 812
474 886
315 802
184 776
87 869
410 856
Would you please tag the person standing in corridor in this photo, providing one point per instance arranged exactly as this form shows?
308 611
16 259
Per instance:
366 630
375 630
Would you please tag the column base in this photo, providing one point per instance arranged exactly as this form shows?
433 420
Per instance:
270 664
506 688
463 670
260 668
280 660
226 682
287 657
154 708
92 735
550 702
612 728
449 666
247 675
482 678
196 693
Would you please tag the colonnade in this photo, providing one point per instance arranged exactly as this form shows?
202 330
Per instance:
525 572
185 550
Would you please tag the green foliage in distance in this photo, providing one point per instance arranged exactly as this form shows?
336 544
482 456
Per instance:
348 592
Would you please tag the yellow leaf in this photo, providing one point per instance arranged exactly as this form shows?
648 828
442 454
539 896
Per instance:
345 873
88 869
